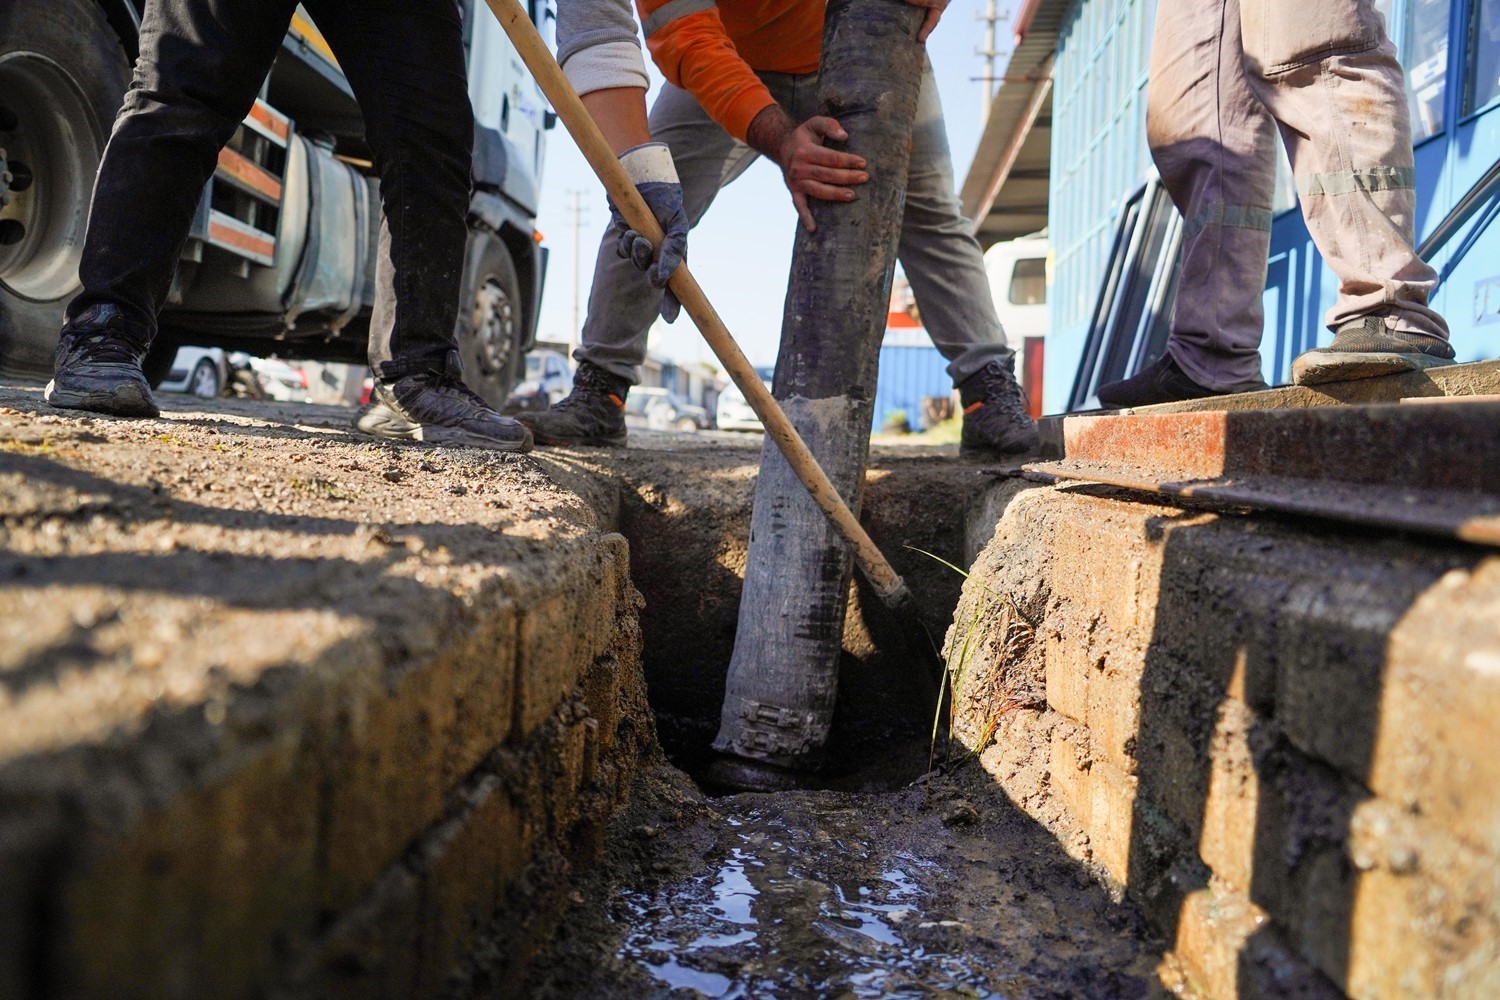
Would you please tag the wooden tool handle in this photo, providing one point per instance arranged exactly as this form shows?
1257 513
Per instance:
580 125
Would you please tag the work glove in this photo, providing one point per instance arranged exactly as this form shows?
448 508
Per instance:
650 167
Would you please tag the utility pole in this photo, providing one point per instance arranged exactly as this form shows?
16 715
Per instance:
575 332
989 54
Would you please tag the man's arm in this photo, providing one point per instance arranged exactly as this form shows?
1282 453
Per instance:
599 52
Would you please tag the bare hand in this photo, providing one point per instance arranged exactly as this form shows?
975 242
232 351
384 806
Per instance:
935 10
810 169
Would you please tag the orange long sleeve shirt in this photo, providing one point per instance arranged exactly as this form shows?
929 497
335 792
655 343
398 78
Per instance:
713 50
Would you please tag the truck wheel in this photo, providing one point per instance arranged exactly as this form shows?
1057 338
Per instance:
489 321
62 77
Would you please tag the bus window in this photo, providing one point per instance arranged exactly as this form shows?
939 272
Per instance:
1424 51
1484 55
1028 282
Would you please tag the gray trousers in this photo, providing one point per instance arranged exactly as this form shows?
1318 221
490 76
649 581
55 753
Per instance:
941 258
1226 76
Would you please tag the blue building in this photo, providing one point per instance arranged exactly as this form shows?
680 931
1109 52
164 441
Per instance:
1065 142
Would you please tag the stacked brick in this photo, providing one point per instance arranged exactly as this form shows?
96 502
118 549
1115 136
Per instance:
1279 737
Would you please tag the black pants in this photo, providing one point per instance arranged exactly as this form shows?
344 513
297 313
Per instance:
201 66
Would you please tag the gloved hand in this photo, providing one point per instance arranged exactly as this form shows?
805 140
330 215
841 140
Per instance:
650 167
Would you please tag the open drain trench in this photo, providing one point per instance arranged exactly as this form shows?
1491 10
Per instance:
891 882
404 749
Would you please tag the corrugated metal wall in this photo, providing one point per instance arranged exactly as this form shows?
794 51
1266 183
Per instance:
911 369
1099 156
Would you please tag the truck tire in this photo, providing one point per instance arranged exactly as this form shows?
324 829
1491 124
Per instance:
63 75
489 318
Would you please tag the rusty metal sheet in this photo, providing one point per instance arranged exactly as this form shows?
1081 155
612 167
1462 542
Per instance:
1429 469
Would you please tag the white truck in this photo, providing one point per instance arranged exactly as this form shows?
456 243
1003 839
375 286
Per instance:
281 255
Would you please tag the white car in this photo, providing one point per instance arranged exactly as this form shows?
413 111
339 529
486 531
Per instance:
197 371
734 413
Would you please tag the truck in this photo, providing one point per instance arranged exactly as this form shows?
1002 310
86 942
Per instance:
281 255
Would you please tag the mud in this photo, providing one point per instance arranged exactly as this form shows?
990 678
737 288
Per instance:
939 889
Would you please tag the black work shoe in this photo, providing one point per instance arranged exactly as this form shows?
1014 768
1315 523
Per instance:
1366 348
592 414
995 417
437 408
98 368
1162 381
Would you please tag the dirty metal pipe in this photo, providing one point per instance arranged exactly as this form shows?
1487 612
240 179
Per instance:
884 579
783 674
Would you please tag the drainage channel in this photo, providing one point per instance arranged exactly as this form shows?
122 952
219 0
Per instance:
938 890
894 880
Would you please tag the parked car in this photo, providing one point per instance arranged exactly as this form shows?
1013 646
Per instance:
197 371
661 409
734 412
548 380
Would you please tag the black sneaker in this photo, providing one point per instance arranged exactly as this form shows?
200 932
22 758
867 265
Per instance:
1366 348
98 368
1162 381
592 414
437 408
995 417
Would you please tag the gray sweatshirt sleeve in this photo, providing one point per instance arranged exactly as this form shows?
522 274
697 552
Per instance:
597 45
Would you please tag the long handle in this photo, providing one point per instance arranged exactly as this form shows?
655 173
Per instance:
554 83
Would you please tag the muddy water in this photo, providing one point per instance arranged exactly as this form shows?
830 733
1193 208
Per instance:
837 895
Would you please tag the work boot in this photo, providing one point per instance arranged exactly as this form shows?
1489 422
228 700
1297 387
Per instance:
98 367
437 408
592 414
1366 348
1163 381
995 417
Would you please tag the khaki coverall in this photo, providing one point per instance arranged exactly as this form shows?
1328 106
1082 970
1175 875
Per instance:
1225 76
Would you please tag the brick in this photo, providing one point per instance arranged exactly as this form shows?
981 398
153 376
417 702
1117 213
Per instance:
1229 950
561 633
1331 647
1069 769
1228 842
1068 669
1111 818
1388 905
197 894
467 862
404 749
1114 706
1436 749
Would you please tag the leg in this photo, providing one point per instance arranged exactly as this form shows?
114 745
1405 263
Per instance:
938 251
1328 74
622 303
201 64
1214 146
405 62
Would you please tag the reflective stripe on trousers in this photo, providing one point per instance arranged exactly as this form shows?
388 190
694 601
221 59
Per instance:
1224 74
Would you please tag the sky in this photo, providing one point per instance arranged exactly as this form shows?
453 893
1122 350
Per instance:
741 251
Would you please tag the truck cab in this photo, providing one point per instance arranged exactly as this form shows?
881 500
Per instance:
281 255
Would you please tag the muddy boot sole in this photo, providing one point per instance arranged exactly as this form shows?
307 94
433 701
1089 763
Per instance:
1322 367
128 400
383 423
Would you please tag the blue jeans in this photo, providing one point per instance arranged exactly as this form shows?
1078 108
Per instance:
201 66
937 251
